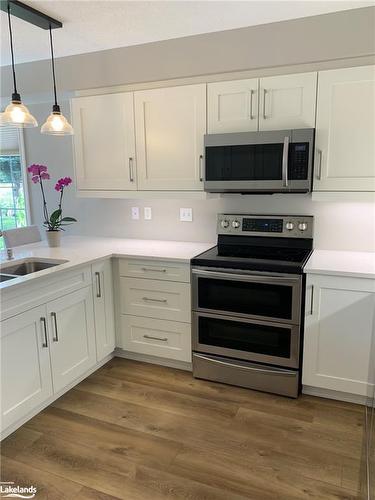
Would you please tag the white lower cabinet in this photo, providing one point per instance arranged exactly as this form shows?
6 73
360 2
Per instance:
339 325
155 337
72 332
103 309
43 350
26 380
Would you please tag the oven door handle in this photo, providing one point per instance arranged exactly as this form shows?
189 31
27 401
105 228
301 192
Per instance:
250 368
245 277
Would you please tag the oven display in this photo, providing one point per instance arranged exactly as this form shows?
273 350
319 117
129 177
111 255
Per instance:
263 225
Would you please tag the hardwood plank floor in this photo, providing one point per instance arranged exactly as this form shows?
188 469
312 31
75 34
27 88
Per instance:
137 431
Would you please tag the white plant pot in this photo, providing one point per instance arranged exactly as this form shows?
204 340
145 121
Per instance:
53 238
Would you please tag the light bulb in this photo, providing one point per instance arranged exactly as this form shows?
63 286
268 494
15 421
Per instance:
16 114
56 124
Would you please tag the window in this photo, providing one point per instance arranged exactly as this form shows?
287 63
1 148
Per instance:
13 186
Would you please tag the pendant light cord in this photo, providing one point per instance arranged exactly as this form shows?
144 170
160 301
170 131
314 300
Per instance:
53 65
11 49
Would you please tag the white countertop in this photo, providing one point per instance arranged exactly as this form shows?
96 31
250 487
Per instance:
355 264
79 250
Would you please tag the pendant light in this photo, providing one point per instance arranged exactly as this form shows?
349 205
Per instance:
56 123
16 114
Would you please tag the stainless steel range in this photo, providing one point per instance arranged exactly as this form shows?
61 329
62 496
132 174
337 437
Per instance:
248 302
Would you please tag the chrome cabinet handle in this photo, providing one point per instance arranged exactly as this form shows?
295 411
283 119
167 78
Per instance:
56 337
131 177
251 104
43 321
311 312
319 172
264 104
154 270
285 161
201 168
150 299
98 286
163 339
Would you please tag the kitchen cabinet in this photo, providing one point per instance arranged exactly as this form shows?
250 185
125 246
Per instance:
154 308
270 103
345 130
103 308
104 142
339 323
170 124
233 106
72 336
25 364
287 101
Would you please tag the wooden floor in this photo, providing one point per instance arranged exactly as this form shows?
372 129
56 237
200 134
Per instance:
144 432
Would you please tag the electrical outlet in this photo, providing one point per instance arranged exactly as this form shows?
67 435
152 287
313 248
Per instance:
135 213
147 213
186 214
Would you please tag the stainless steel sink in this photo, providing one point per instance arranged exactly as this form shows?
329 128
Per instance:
6 277
28 266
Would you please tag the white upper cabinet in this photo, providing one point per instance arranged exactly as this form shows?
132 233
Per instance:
104 142
345 130
170 124
72 344
287 101
233 106
25 365
339 325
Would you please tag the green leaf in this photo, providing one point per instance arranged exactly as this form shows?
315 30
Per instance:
68 219
55 216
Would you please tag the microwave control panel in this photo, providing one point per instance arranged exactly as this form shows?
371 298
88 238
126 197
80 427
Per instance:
289 226
298 161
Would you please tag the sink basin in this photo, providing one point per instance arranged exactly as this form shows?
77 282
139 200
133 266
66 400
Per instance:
5 277
27 266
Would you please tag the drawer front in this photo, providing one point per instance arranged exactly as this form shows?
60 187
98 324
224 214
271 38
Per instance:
160 270
156 299
155 337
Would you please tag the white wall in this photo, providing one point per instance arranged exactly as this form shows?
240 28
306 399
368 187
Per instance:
345 226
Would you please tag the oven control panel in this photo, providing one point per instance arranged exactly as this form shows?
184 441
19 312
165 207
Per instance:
288 226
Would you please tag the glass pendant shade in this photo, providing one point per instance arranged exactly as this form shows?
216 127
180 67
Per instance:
56 124
16 114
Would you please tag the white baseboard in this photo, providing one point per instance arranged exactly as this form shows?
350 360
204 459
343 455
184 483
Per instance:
53 398
146 358
337 395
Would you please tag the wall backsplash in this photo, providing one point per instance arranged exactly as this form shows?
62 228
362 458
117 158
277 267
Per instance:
344 226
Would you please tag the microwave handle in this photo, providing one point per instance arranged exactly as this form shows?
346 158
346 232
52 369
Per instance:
285 161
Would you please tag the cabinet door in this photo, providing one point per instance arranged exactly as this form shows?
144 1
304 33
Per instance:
287 101
25 365
72 347
103 309
345 130
338 330
233 106
170 124
104 142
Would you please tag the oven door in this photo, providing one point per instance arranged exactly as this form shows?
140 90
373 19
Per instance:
256 296
240 338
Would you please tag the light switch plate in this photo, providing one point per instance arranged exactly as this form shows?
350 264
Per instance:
135 213
147 213
186 214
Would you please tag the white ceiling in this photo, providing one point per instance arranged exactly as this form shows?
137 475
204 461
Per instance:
91 25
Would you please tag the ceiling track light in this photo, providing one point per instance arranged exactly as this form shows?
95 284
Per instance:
56 123
16 114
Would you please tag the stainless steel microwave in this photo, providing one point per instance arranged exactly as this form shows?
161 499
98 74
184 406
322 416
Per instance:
275 161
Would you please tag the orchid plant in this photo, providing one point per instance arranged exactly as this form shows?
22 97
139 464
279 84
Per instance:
55 221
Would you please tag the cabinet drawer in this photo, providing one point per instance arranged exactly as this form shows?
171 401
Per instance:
155 299
155 337
160 270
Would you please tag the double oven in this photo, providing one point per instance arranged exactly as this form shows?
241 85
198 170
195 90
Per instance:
247 324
